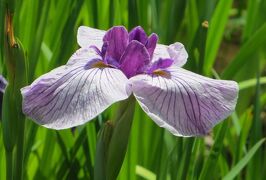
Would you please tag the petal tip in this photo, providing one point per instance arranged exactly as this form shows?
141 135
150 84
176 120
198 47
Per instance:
87 36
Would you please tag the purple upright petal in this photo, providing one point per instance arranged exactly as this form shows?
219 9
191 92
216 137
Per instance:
112 62
72 94
138 34
116 41
97 50
151 43
186 104
135 58
103 51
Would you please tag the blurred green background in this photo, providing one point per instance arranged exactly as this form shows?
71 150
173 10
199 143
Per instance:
232 45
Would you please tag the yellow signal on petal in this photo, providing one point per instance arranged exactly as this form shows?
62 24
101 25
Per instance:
99 64
162 73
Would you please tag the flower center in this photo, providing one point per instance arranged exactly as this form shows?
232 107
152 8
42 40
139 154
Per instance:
130 52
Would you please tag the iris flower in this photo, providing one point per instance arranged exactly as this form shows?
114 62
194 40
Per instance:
3 84
111 66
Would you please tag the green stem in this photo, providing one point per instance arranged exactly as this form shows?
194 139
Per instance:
18 171
9 165
120 137
112 142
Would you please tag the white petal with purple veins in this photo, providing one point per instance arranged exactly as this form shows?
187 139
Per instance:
186 104
83 56
90 37
178 53
175 51
72 94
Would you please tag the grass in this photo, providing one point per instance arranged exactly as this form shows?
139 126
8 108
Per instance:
235 149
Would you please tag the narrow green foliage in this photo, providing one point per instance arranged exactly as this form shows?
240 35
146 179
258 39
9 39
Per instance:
48 151
245 120
142 172
132 16
35 44
252 18
247 50
185 160
251 83
67 168
193 19
243 162
67 37
215 33
211 161
255 165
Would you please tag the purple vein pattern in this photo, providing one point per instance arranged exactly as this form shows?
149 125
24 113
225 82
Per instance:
112 65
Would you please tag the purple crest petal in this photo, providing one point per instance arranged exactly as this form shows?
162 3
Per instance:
186 104
160 64
135 58
71 95
116 41
97 50
151 43
138 34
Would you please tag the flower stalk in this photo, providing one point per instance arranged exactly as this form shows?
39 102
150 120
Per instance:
119 141
13 118
103 143
113 141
